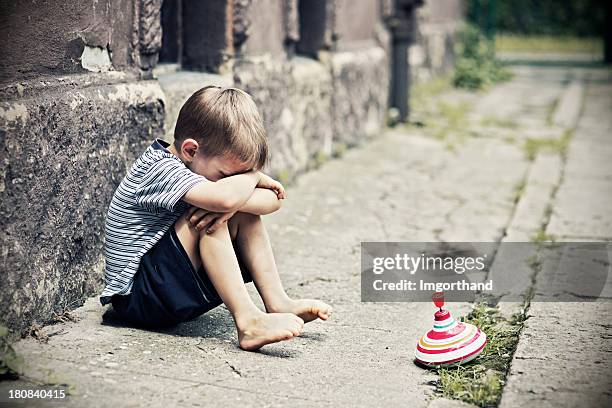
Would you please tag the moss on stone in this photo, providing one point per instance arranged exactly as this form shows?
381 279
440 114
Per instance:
533 146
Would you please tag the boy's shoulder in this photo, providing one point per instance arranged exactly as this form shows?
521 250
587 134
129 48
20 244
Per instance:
159 148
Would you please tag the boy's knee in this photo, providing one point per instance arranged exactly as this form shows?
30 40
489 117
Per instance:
231 225
240 218
220 230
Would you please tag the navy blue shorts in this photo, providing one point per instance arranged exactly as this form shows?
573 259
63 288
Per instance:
167 289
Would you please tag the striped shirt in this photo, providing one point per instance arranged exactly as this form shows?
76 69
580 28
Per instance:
144 207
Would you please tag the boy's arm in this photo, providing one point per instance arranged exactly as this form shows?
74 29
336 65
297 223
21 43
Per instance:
263 201
226 195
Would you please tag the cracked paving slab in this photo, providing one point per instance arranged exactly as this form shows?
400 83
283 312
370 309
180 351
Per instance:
563 358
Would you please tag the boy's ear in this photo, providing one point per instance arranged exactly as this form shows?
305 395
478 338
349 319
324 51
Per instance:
189 148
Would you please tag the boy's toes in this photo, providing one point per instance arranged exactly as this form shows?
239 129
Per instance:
296 331
324 311
324 314
298 320
297 325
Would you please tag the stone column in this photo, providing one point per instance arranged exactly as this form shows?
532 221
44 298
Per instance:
402 23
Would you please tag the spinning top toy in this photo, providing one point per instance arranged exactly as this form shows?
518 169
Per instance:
449 342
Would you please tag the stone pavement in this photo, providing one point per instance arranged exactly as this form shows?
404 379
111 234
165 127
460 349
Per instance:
564 356
402 186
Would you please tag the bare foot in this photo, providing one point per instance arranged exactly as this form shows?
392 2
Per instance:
307 309
265 328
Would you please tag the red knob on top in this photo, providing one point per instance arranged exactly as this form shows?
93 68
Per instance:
438 299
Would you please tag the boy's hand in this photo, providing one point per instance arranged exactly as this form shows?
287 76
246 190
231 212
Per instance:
201 219
268 182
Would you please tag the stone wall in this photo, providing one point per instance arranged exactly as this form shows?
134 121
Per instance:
82 94
76 108
64 151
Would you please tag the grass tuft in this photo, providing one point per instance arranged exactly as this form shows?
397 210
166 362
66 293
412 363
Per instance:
480 382
541 236
421 93
499 122
339 149
320 158
519 189
533 146
545 43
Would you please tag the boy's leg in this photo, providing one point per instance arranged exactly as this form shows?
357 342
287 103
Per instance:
215 251
253 244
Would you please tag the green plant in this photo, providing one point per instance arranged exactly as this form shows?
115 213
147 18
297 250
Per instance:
320 158
339 149
422 92
480 382
476 66
533 146
541 236
519 189
543 43
499 122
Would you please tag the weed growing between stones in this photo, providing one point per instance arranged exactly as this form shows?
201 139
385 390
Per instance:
339 150
533 146
494 121
444 121
319 159
541 236
519 189
480 382
12 369
551 111
421 93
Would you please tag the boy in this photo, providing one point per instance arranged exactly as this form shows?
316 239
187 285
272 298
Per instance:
167 262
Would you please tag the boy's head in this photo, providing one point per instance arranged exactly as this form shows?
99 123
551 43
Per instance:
219 132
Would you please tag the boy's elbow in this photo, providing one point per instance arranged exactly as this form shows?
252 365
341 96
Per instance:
277 206
273 207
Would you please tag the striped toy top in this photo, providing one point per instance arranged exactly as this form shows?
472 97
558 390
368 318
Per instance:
144 207
449 342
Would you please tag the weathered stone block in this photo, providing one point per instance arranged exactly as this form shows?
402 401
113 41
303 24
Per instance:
295 100
360 81
269 82
312 109
64 149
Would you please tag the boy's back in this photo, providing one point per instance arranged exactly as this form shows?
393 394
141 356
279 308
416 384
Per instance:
145 205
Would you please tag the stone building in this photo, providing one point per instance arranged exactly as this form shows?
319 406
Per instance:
86 85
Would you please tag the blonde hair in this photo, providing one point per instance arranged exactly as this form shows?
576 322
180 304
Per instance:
225 122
